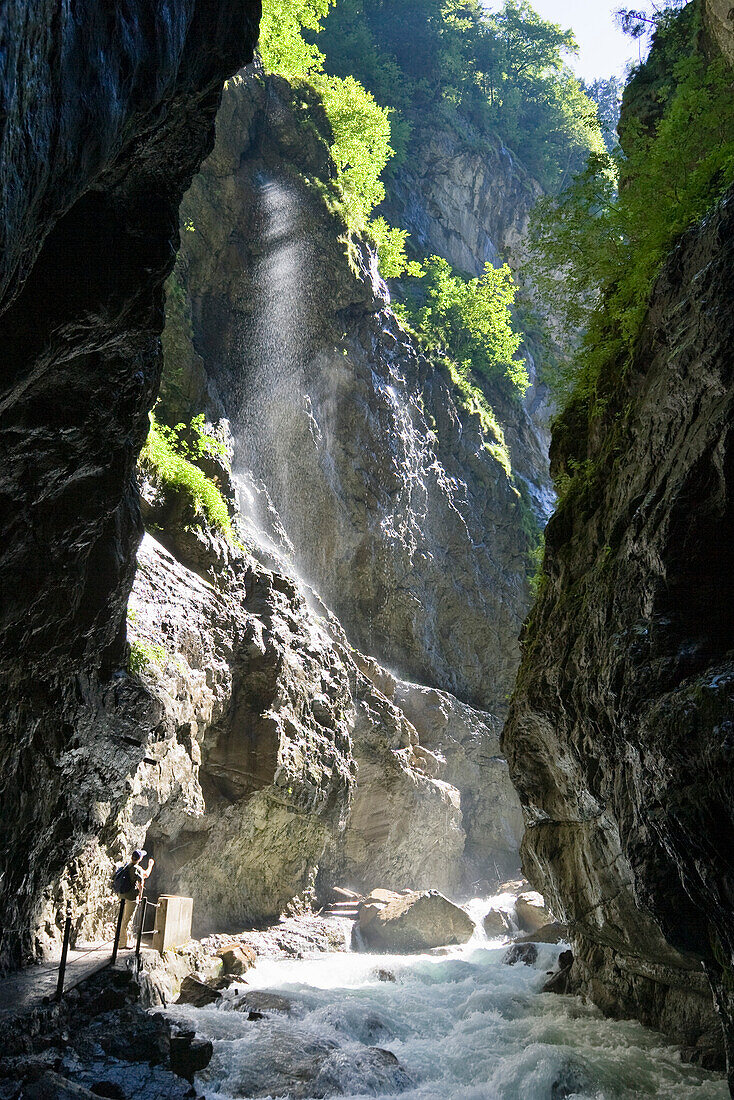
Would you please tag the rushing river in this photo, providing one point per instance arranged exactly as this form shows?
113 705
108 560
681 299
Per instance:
462 1026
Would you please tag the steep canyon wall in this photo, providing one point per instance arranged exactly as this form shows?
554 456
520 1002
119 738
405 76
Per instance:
619 736
223 712
107 114
361 475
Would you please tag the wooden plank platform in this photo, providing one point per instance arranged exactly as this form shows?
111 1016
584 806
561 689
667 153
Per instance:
24 990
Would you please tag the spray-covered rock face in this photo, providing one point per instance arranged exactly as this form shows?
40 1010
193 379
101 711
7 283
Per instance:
393 501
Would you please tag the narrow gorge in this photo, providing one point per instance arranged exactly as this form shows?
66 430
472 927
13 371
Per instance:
367 512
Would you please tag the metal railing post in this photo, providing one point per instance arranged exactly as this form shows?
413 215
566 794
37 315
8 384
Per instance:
143 907
118 932
64 953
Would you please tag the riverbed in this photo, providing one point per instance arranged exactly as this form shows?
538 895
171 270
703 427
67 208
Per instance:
457 1026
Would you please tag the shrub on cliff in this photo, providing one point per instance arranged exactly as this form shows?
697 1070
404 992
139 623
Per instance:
599 247
165 457
361 129
472 320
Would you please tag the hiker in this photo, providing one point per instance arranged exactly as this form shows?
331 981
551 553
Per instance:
128 882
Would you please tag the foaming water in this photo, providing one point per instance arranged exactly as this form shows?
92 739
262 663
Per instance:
463 1026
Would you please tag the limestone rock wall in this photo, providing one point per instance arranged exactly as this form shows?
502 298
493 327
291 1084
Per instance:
361 474
107 113
719 19
433 802
619 737
257 700
470 206
393 502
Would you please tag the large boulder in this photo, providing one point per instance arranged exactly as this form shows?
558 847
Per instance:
496 924
237 958
416 922
531 913
197 993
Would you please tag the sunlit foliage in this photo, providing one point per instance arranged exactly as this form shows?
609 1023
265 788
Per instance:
471 320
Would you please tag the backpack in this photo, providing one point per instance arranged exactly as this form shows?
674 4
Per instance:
122 882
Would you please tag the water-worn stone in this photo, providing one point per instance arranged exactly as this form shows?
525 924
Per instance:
561 980
496 924
238 959
555 932
190 1055
530 912
373 1071
417 922
258 1000
525 953
197 993
52 1086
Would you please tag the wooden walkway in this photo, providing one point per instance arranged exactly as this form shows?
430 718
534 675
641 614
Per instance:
24 990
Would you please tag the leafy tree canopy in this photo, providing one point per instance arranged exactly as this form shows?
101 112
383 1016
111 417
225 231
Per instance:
499 73
598 248
471 320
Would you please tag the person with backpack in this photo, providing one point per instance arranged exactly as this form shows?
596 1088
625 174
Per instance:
128 883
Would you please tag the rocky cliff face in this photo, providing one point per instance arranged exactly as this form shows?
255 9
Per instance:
619 737
719 20
468 204
107 113
358 469
401 506
228 734
471 204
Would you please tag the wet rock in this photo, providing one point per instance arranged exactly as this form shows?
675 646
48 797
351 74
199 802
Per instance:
417 922
620 753
526 953
530 912
385 975
382 897
292 1074
132 1036
197 993
373 1071
496 924
374 1028
560 981
116 93
555 932
190 1055
238 959
52 1086
109 1089
261 1001
367 913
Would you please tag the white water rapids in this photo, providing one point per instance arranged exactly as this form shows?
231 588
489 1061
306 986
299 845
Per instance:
463 1026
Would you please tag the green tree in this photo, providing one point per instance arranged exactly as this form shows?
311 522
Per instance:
472 320
598 248
360 127
607 94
